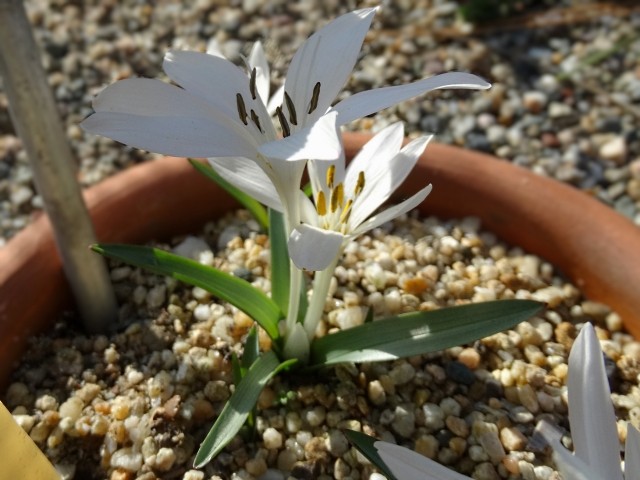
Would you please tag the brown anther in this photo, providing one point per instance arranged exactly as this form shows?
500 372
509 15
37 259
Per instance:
293 118
242 110
359 183
252 84
315 96
286 131
256 120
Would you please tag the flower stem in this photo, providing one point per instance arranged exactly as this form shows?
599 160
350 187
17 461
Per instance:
321 283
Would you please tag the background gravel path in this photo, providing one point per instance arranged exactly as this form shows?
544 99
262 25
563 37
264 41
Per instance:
565 100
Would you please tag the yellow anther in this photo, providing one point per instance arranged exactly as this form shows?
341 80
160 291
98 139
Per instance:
331 173
321 204
359 183
337 197
346 212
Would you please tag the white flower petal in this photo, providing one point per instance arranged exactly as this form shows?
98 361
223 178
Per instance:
571 467
383 177
632 454
218 82
591 415
156 116
312 248
308 213
393 212
276 100
328 57
178 136
406 464
320 141
246 175
258 60
371 101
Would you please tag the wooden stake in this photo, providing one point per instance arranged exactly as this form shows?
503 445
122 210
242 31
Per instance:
36 120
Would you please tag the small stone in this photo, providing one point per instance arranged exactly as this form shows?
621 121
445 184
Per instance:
336 443
256 466
469 357
433 416
403 421
72 408
614 150
487 436
402 374
272 439
165 458
512 439
534 101
127 459
376 393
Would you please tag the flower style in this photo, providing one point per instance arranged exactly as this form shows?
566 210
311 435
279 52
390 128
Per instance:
592 420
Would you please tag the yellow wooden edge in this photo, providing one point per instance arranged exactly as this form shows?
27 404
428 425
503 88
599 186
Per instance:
20 458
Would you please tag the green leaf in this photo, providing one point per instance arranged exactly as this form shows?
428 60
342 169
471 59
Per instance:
251 350
420 332
232 289
364 443
255 208
236 368
280 279
240 404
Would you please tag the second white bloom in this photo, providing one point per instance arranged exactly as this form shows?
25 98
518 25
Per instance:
344 199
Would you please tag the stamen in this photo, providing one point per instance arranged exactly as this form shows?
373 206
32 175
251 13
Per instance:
346 212
314 98
252 84
242 110
331 172
337 197
286 131
321 204
359 183
256 120
293 118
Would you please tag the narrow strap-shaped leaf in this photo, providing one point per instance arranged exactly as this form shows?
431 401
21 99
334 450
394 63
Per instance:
420 332
232 289
255 208
238 407
251 350
364 443
280 276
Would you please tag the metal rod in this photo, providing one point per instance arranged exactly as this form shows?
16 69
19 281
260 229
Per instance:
36 119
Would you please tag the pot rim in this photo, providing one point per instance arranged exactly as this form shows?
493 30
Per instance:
587 241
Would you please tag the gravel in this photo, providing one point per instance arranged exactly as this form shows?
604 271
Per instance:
138 402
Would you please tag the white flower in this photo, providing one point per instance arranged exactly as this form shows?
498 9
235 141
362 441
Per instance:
317 73
406 464
345 200
592 420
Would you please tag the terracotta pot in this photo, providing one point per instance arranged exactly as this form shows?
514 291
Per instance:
590 243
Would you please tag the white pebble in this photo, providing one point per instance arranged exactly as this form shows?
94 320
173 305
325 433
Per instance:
272 438
126 459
